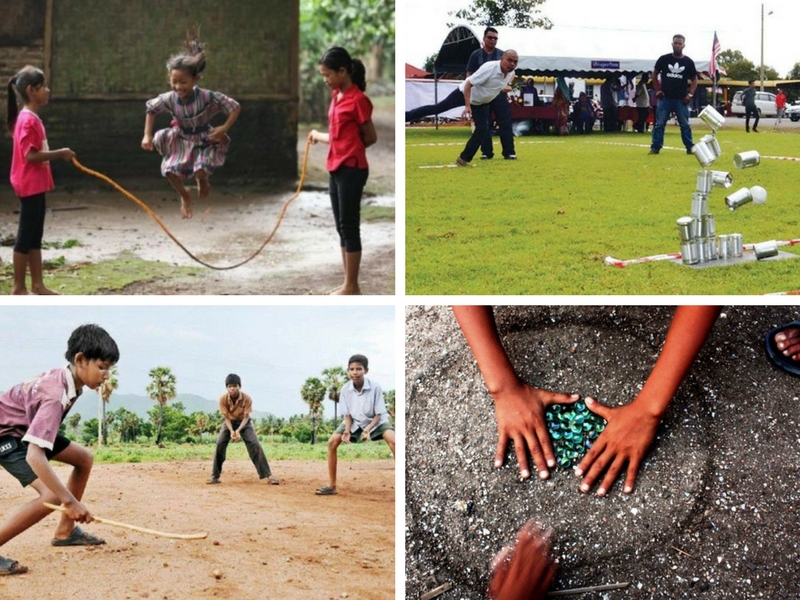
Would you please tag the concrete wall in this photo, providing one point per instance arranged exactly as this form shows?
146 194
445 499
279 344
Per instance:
105 58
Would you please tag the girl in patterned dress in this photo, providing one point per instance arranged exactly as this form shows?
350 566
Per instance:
191 147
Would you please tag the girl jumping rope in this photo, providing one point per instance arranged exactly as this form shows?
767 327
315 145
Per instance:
191 147
30 173
351 131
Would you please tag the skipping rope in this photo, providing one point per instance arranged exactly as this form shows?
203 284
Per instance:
166 230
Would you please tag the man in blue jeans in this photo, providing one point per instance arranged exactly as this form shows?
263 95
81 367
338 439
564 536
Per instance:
675 81
480 89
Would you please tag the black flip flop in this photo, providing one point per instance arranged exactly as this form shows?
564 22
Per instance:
9 566
79 537
776 356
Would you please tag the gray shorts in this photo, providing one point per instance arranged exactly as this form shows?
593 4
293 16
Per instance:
374 435
14 452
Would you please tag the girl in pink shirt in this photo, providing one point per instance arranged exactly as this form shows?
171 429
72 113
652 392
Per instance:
351 131
30 173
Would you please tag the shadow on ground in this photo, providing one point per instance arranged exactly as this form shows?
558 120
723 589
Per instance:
716 501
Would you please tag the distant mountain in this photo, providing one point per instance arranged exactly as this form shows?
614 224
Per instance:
88 403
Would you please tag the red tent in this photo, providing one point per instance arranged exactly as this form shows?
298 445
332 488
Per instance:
415 73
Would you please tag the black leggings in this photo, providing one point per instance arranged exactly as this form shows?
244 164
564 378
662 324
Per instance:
31 223
346 185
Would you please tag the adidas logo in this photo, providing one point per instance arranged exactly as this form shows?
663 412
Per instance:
675 71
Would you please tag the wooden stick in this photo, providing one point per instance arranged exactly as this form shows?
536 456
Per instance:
177 536
436 592
583 590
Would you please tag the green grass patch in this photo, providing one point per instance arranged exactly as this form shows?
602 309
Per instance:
137 453
95 278
374 214
542 225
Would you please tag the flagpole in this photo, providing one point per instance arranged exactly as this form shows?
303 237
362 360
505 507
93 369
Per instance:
713 70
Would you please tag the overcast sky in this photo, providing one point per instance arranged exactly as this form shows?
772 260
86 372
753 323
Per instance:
273 348
738 26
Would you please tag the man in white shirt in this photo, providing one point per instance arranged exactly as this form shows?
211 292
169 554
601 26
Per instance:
480 88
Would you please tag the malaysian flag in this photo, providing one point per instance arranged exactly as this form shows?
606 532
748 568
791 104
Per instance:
715 50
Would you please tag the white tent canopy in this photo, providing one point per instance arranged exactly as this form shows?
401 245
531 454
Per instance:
551 53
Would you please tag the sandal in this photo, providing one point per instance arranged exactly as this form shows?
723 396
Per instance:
79 537
274 481
9 566
778 357
326 491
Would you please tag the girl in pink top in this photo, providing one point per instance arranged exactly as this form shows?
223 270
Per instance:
30 173
351 131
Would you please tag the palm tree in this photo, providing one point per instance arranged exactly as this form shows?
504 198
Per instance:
200 425
162 390
104 394
388 397
74 423
334 378
128 424
313 394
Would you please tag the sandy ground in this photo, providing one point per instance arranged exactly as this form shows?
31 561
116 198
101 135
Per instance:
714 512
278 542
229 226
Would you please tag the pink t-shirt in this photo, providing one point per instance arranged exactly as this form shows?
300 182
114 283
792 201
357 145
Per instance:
29 178
345 118
34 410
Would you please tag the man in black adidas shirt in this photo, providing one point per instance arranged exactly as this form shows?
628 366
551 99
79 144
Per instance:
675 81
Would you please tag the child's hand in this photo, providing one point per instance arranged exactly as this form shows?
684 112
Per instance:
524 570
626 439
365 436
78 512
147 142
346 437
314 136
66 154
520 418
216 134
235 436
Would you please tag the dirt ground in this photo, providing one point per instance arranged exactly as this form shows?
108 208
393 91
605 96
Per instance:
303 257
714 510
278 542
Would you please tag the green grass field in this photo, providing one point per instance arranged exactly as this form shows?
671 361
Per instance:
136 453
543 224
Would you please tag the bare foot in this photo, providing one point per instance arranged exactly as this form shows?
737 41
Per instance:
347 291
334 291
788 342
203 186
42 290
19 292
186 204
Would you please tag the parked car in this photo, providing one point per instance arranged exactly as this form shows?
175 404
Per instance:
765 102
793 111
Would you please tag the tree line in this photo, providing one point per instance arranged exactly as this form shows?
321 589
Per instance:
167 422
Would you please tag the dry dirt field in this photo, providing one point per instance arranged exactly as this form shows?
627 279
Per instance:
279 542
302 258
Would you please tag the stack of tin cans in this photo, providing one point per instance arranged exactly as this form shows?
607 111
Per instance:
697 232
